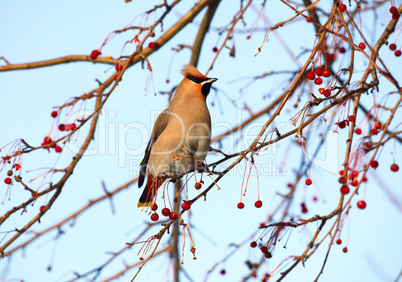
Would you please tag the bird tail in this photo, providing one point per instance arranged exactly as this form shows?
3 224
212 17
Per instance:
149 192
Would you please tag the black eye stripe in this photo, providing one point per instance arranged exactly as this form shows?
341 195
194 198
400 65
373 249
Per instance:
196 79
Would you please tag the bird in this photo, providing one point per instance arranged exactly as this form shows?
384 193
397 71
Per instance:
181 135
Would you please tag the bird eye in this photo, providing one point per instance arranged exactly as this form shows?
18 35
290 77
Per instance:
195 79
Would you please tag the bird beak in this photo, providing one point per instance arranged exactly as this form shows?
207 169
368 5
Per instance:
210 81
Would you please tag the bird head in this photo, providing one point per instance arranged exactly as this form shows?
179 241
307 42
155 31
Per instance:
198 79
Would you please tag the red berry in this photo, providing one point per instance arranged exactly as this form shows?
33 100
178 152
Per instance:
173 216
345 250
42 208
62 127
395 16
345 189
398 53
154 207
154 217
73 126
258 204
309 181
315 199
264 249
326 73
341 172
186 206
152 45
374 164
304 210
240 205
165 212
118 67
393 9
361 205
310 75
374 131
197 186
309 19
339 241
354 174
17 166
342 179
248 37
253 244
318 81
327 92
223 272
342 50
95 54
331 57
47 140
318 71
7 180
214 49
358 131
355 182
392 47
377 125
58 149
362 46
352 118
54 114
342 8
394 167
342 124
67 127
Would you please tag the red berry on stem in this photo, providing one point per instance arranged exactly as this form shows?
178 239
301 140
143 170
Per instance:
253 244
197 186
374 131
342 124
355 182
326 73
223 272
345 189
240 205
58 149
67 127
214 49
173 216
361 205
395 16
166 212
309 181
342 179
152 45
327 92
154 207
264 249
318 71
186 206
351 118
374 164
393 9
345 250
118 67
377 125
392 47
394 167
318 81
258 204
7 180
342 50
47 140
154 217
94 54
358 131
331 57
310 75
73 126
362 46
339 241
342 8
398 53
62 127
54 114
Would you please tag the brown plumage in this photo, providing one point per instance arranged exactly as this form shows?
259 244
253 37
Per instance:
181 135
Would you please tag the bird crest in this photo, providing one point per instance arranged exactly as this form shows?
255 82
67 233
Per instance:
192 71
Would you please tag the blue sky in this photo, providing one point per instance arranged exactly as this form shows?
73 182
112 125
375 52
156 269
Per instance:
32 31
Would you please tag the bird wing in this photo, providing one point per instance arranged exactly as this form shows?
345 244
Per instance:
160 125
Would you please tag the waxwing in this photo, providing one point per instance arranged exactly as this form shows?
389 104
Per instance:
181 135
